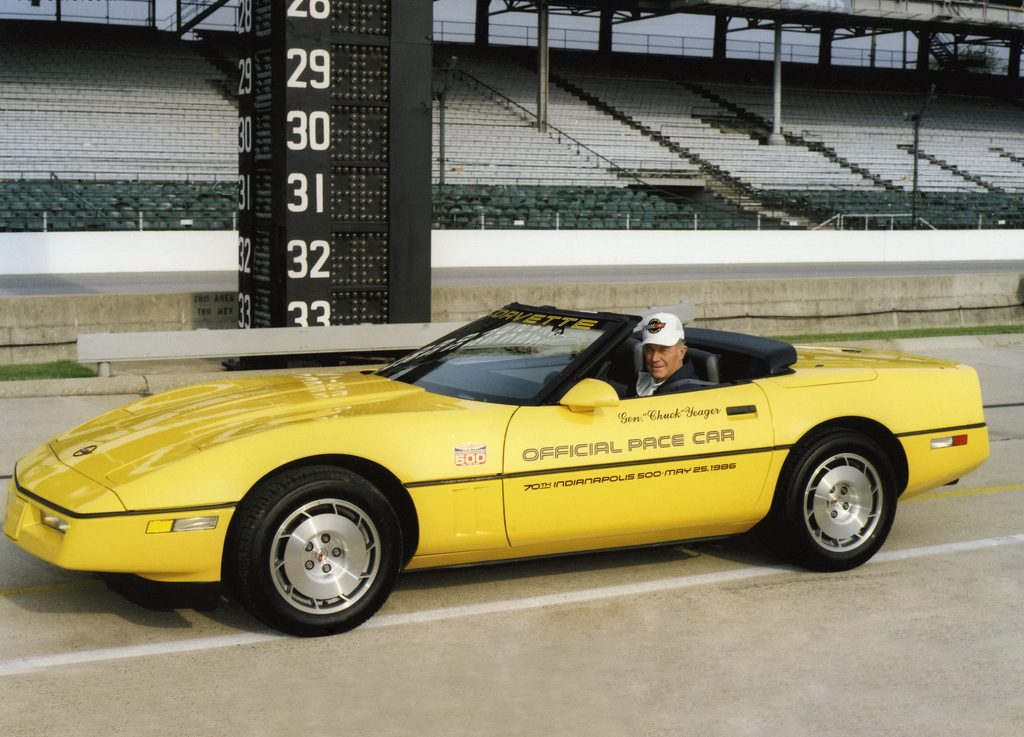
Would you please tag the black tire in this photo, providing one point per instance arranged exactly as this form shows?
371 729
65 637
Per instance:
313 551
834 504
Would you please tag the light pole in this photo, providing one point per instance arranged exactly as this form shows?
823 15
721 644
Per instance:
917 118
442 99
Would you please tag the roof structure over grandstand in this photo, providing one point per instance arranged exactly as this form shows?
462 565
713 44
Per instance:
948 14
944 28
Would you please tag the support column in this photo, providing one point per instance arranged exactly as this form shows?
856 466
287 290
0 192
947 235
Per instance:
604 33
924 47
482 35
542 66
1013 62
721 37
776 136
825 38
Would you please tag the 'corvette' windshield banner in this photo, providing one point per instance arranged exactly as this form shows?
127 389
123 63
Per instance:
540 318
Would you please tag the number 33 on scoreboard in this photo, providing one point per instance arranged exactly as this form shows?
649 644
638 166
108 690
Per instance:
320 311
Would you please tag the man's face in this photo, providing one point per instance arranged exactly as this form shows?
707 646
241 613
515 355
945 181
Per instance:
663 360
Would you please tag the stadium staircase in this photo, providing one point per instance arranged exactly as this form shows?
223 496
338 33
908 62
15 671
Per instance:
640 182
1007 155
214 47
951 168
717 180
760 128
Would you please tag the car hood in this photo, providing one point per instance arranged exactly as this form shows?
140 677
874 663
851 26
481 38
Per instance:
172 425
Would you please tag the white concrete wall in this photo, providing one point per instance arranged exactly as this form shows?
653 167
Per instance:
102 252
648 247
149 251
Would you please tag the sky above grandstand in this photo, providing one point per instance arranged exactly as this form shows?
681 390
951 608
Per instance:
121 12
681 34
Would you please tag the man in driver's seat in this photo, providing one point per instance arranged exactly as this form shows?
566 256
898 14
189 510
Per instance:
664 353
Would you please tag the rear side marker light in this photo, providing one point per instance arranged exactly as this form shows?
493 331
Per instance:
950 441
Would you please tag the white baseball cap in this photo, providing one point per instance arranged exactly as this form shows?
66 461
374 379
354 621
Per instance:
662 328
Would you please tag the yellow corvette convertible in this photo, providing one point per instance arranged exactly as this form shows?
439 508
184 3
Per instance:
511 437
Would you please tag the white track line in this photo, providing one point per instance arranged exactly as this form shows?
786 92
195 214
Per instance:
29 664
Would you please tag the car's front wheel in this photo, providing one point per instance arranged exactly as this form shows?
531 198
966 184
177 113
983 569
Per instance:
313 550
834 504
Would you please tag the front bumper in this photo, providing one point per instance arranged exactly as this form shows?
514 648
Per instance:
111 541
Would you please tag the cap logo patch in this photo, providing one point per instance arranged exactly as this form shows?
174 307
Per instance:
654 326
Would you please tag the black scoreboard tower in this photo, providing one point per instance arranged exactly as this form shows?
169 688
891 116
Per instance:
334 132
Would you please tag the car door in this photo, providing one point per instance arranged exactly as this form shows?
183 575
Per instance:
649 469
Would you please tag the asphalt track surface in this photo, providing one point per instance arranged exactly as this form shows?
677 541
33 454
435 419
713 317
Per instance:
227 281
708 639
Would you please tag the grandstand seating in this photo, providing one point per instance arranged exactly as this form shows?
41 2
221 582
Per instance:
57 204
870 128
142 107
893 210
105 131
708 130
487 140
546 207
610 143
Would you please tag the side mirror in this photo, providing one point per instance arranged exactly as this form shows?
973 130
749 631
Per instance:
588 395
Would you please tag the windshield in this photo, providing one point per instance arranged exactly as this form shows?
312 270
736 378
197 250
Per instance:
514 355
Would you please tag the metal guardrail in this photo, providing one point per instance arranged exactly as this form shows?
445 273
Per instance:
48 221
507 34
106 348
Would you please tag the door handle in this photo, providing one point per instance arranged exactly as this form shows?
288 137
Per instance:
741 409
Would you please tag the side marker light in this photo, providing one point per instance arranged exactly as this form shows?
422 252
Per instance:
185 524
56 523
950 441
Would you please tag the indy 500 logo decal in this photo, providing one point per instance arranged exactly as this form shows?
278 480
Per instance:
470 455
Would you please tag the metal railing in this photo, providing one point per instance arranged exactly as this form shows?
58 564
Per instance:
676 45
48 220
571 218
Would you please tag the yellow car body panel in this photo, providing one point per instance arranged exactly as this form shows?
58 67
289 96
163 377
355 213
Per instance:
486 480
205 446
464 520
944 465
677 465
915 398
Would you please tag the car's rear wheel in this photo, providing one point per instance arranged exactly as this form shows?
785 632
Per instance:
313 550
835 502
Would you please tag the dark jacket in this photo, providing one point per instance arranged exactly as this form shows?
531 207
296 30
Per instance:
669 385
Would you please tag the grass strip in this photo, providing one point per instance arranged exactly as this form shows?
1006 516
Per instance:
52 370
